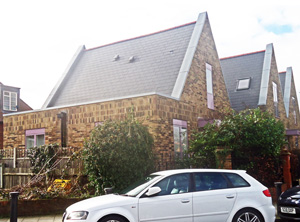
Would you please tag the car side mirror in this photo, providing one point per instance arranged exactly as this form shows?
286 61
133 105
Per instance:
108 190
153 191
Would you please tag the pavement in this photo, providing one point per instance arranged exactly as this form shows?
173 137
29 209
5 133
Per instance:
48 218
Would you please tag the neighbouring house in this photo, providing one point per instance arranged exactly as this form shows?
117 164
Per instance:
171 80
253 81
10 102
291 107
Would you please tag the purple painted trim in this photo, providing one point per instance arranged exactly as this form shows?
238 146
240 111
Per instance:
178 122
35 132
294 132
203 122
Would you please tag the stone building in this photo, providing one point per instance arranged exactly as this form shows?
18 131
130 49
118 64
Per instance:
253 81
171 79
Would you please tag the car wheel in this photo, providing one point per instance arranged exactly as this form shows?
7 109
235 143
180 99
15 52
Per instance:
113 219
247 215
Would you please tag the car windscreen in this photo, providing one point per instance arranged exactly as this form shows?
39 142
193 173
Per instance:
134 189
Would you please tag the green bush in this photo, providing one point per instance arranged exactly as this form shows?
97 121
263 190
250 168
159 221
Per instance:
253 137
117 154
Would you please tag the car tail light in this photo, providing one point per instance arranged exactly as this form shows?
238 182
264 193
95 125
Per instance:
267 193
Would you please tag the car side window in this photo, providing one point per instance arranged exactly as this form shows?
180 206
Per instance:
237 180
175 184
210 181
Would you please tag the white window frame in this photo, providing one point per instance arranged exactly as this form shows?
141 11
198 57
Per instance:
275 94
182 136
275 99
294 110
9 97
209 87
34 133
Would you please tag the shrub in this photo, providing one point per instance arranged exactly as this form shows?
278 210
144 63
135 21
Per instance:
117 154
42 157
252 136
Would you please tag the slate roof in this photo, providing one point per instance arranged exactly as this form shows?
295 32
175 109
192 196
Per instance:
282 80
95 75
241 67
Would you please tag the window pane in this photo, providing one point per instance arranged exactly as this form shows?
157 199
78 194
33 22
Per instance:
10 101
5 102
275 92
29 141
237 180
243 83
177 139
210 181
174 184
180 137
210 101
40 140
183 139
209 84
13 101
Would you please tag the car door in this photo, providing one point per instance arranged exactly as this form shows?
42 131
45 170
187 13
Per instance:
213 199
172 204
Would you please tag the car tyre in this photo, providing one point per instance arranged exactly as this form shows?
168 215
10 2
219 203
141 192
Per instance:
113 218
248 215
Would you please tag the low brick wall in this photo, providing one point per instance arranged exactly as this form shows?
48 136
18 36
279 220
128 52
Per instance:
37 207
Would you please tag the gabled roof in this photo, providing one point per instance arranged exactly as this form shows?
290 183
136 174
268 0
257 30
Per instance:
256 66
157 63
286 85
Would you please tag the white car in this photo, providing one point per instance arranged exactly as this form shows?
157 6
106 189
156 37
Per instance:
189 195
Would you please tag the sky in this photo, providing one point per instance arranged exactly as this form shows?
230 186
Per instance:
39 37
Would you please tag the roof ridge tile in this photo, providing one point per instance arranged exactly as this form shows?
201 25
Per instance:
244 54
141 36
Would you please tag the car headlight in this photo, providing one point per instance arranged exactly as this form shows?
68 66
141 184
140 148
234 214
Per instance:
77 215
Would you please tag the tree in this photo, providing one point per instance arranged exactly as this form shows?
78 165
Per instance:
252 136
117 154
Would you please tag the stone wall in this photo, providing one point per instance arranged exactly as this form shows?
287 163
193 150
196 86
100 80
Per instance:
274 77
195 91
37 207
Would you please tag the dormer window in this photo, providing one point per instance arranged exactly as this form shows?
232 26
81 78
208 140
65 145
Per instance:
243 84
10 101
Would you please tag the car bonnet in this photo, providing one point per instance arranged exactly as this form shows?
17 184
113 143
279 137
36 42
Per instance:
101 202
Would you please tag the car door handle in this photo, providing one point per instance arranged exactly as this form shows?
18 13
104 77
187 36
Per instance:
230 196
185 201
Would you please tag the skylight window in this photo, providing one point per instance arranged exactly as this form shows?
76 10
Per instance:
243 84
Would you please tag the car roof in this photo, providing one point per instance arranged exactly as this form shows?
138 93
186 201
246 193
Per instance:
171 172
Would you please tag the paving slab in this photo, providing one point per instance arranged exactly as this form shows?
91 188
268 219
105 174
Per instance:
47 218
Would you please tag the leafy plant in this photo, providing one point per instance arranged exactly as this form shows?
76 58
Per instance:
117 154
252 136
43 157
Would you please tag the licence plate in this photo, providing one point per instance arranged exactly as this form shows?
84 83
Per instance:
288 210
